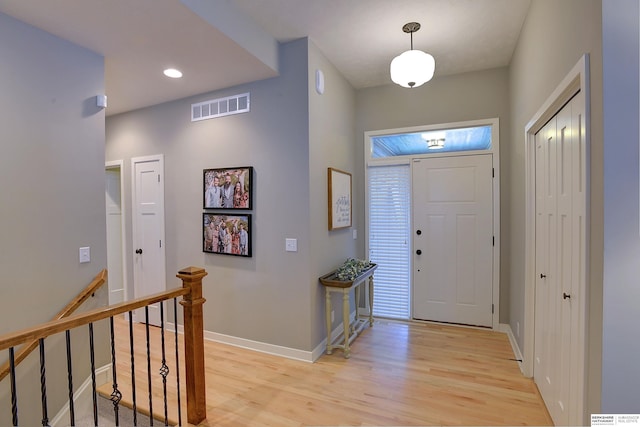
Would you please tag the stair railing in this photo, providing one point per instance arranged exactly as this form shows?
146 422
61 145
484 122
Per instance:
192 303
69 309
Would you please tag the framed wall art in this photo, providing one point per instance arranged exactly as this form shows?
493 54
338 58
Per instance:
339 199
226 234
227 188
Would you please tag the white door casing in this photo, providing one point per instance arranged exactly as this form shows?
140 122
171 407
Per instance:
148 231
453 239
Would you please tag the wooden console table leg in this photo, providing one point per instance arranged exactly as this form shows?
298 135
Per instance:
345 321
371 300
328 319
357 298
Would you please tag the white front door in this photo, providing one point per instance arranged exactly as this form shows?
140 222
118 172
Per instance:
453 239
115 266
148 231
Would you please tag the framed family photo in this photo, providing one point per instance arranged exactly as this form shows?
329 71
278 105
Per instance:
227 188
339 199
226 234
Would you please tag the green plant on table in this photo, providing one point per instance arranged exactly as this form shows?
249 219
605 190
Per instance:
352 268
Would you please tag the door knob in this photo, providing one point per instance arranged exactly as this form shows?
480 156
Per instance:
419 252
543 276
139 251
566 295
419 232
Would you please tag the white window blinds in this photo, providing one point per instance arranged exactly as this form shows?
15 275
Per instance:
389 234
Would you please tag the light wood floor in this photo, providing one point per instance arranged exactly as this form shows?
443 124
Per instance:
398 374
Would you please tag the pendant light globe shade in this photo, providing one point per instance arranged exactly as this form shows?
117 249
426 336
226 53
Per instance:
412 68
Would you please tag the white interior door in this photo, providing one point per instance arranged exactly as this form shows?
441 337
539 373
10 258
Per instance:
559 245
148 232
453 239
115 265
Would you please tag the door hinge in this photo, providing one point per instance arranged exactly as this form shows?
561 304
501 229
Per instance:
493 240
492 309
160 243
493 172
158 177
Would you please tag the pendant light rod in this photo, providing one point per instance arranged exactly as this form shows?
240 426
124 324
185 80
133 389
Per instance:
411 28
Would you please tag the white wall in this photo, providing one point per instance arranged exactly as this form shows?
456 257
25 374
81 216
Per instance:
621 346
554 37
52 198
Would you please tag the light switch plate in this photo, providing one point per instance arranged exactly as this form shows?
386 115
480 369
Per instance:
291 245
85 255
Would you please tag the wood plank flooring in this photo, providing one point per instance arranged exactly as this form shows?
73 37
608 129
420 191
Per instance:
398 374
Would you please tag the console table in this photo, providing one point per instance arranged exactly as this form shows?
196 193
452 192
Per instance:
351 331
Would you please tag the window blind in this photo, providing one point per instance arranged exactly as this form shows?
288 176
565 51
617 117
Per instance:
389 234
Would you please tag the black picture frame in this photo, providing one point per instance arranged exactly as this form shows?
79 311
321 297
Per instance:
237 240
236 196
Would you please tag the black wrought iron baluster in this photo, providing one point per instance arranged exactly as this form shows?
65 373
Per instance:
175 320
116 396
94 392
133 370
14 396
164 369
146 317
43 385
72 414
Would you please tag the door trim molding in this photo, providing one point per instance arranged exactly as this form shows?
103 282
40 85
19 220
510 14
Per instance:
119 164
577 80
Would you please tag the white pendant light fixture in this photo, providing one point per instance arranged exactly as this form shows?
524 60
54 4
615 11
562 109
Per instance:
412 68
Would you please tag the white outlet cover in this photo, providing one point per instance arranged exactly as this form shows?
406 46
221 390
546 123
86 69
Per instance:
291 245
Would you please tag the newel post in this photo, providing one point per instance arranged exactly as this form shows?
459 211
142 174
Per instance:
194 343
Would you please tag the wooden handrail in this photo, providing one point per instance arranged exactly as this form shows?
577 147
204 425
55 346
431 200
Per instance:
91 288
56 326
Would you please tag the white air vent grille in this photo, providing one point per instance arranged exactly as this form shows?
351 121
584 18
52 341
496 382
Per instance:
235 104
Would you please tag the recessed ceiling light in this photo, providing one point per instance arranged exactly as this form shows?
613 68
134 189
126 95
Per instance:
173 73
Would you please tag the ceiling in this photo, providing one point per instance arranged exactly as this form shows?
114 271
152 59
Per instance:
223 43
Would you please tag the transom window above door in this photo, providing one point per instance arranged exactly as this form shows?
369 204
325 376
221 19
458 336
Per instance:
432 141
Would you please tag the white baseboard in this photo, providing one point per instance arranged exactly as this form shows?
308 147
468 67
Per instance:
82 398
506 328
276 350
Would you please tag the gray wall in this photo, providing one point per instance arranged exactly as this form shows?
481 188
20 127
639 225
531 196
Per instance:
620 347
331 144
290 137
52 198
462 97
554 37
264 298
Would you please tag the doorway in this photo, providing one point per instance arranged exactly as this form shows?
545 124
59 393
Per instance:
148 232
398 168
115 232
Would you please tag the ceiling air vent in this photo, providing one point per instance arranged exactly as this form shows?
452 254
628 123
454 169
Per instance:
220 107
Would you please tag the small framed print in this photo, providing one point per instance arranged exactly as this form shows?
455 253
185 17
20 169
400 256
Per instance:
227 188
226 234
339 199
